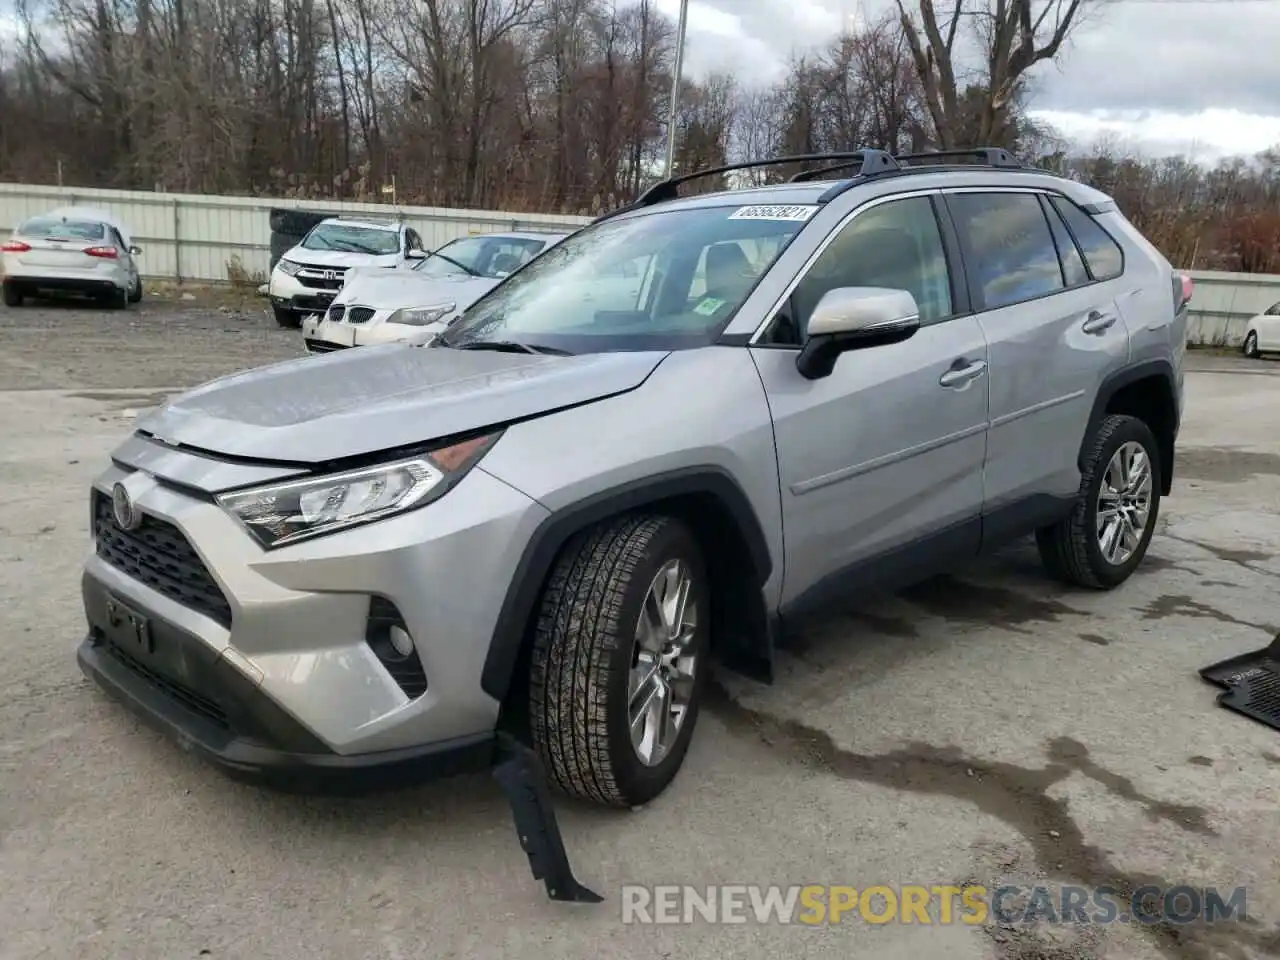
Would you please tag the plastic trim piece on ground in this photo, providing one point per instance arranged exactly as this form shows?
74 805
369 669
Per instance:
1251 683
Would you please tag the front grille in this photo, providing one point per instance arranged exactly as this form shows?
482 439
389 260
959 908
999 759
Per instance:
195 702
158 555
323 346
360 315
336 311
319 283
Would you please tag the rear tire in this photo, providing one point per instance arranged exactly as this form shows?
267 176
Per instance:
595 663
289 319
1078 550
116 299
12 295
1251 345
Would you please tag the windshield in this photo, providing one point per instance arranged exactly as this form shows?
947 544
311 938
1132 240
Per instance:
56 229
663 281
348 238
492 257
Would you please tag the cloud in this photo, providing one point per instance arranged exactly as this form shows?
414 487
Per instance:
1161 73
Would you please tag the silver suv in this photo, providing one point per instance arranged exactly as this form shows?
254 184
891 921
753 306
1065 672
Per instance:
657 444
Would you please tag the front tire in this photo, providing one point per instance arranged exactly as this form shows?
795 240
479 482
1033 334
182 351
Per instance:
289 319
1106 535
12 295
135 295
619 660
1251 345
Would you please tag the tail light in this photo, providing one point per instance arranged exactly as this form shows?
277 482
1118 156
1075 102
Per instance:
1183 289
106 253
15 246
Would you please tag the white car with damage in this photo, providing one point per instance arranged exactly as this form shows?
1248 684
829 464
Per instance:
413 305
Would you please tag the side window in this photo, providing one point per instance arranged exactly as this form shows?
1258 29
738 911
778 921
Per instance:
1102 254
1274 311
895 244
1007 237
1073 268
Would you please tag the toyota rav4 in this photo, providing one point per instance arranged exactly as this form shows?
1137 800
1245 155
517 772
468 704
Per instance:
657 444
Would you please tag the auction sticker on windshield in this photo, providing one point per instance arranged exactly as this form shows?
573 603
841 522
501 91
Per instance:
796 212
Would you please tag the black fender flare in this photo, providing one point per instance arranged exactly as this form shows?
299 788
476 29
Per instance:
1117 381
556 530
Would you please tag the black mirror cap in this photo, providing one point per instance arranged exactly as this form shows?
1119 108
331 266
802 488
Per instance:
817 359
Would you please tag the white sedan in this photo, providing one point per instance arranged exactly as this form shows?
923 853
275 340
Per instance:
413 305
71 250
1262 335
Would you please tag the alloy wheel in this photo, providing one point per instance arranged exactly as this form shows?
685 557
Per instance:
662 667
1124 502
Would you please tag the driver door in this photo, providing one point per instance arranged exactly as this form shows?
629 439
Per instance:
880 463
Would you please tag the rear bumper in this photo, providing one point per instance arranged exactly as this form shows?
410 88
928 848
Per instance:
62 284
278 753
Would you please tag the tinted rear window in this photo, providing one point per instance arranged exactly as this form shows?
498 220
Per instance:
54 229
1102 254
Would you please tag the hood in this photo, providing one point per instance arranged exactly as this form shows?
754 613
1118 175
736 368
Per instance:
387 290
338 258
354 402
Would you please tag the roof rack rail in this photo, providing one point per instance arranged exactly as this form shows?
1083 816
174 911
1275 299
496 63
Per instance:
986 156
868 161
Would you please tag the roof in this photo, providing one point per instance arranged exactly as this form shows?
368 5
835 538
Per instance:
92 214
371 223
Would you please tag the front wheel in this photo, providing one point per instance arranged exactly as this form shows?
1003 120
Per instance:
289 319
135 294
1251 344
619 659
1107 533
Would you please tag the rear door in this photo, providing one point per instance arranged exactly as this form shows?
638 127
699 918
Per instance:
1054 332
1268 327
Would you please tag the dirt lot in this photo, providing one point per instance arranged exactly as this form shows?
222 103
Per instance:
983 729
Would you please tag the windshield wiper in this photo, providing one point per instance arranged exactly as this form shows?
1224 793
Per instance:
509 346
461 266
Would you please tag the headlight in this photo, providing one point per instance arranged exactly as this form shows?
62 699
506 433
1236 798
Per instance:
421 316
288 267
284 513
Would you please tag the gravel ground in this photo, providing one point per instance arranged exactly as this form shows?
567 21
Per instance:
986 728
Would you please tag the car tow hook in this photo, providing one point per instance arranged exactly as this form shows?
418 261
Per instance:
520 774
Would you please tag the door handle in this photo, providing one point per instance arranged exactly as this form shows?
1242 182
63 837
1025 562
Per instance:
1098 323
959 376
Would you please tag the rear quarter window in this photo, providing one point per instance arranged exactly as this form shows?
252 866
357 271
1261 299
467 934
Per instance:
1102 255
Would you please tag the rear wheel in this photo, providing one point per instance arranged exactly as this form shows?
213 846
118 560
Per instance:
290 319
619 659
116 299
12 295
1106 535
1251 345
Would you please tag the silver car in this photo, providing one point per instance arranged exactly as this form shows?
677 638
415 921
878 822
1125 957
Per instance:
71 250
658 444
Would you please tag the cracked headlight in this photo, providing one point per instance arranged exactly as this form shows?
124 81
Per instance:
421 316
284 513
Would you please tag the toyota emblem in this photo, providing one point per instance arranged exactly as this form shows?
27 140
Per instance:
126 515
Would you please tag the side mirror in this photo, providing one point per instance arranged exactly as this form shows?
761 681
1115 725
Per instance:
135 250
854 318
415 254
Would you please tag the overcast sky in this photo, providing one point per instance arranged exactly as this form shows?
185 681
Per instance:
1171 76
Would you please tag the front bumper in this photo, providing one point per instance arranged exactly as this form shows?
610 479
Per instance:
279 752
262 660
322 335
289 293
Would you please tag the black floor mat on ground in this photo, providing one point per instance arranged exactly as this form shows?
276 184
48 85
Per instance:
1251 683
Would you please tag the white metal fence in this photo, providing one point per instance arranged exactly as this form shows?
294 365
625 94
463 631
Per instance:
1224 302
192 237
